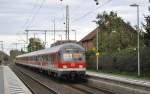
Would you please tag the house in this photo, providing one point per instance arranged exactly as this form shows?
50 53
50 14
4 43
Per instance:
87 41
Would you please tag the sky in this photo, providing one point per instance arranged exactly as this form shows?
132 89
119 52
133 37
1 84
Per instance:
19 15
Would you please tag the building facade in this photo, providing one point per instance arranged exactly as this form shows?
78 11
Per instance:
87 41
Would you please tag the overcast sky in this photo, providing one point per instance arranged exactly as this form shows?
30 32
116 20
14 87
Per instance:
18 15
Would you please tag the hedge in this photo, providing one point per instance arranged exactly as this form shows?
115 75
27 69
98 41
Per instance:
123 61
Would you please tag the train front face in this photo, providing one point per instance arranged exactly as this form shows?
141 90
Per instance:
72 65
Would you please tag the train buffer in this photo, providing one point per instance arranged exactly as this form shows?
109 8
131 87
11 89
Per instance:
10 83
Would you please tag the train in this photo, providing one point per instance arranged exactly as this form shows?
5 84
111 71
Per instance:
63 61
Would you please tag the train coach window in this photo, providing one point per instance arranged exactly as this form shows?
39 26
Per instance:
44 57
36 58
40 58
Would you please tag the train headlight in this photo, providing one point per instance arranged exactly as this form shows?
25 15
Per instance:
80 66
64 66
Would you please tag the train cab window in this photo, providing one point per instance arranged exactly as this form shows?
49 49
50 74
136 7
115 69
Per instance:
73 56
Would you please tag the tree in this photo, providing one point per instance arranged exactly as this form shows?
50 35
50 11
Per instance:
14 53
147 34
3 56
115 34
35 44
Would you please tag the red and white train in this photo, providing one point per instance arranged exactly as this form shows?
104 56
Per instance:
66 60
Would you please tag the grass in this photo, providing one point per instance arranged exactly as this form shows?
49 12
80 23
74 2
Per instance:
124 74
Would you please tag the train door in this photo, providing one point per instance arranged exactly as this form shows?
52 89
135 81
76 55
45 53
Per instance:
49 62
53 62
40 60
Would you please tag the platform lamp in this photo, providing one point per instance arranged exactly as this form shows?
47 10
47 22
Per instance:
138 43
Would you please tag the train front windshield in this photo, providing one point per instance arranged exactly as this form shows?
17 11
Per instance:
73 57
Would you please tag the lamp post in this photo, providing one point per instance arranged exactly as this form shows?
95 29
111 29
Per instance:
138 43
97 54
97 47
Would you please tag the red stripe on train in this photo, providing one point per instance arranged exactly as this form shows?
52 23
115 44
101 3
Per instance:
72 64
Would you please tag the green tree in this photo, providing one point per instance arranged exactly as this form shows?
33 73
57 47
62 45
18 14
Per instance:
147 34
35 44
3 56
115 34
14 53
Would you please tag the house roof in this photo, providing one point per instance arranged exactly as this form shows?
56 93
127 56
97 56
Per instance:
90 36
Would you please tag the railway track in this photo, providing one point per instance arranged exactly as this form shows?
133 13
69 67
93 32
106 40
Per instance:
89 89
63 87
35 86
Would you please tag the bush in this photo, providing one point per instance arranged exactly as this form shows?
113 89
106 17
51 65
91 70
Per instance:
123 61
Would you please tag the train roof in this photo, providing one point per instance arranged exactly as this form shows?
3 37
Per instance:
51 50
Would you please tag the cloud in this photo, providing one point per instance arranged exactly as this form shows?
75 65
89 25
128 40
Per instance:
15 15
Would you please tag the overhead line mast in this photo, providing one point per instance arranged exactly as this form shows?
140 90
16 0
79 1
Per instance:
45 33
67 22
2 45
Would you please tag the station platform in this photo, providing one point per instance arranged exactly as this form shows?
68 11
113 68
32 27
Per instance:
125 79
10 83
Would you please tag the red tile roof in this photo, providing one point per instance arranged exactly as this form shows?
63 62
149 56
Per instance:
90 36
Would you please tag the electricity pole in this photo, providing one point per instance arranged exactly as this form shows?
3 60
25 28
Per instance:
2 45
149 6
27 32
75 35
16 45
67 22
45 32
54 30
24 44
